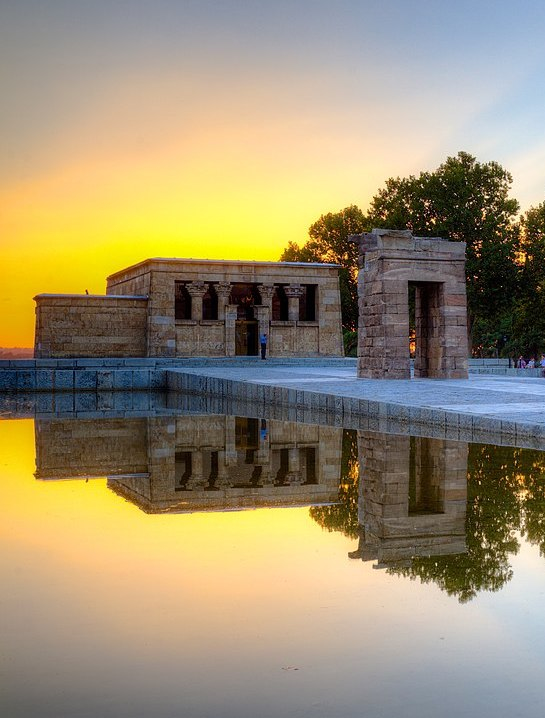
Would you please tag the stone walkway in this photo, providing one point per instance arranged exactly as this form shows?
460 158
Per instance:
514 405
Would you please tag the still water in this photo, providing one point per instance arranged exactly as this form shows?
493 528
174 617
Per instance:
369 575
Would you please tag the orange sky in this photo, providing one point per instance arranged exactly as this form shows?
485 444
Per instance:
223 130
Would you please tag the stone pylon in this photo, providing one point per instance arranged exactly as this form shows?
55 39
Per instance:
391 260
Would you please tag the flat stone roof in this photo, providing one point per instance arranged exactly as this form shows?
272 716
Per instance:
91 296
222 262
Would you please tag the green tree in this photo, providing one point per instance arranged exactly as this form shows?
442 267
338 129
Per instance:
528 332
492 521
463 200
329 243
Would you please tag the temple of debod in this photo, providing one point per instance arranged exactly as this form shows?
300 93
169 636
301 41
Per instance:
203 308
197 308
191 327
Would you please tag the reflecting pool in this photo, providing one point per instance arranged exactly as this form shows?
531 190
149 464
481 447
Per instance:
205 565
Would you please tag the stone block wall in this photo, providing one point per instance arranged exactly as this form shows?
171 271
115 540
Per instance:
204 338
71 448
72 325
196 336
413 495
389 261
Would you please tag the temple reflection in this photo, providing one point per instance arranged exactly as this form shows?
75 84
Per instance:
401 496
412 498
441 511
196 463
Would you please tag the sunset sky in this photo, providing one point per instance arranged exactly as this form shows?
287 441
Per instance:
222 129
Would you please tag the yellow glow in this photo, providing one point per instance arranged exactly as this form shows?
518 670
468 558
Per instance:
79 540
222 194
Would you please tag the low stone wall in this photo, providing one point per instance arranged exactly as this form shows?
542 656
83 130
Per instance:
141 374
73 325
136 374
353 412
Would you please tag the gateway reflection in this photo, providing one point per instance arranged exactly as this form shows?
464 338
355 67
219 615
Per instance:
412 498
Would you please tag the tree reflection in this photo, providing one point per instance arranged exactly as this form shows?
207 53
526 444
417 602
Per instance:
505 500
343 516
493 519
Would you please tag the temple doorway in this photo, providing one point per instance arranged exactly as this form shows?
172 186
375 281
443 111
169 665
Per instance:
245 296
429 335
246 337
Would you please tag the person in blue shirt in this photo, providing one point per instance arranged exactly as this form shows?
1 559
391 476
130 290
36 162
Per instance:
263 342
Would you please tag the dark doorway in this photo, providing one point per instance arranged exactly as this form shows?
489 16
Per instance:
246 336
428 328
425 477
245 296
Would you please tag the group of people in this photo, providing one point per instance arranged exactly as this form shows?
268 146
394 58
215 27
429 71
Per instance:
531 363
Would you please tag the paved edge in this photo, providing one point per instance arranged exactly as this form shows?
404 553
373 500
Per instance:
365 414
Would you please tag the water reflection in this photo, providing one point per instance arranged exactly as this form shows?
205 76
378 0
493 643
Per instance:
445 512
194 463
412 500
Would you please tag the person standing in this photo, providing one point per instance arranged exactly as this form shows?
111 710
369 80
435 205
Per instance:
263 342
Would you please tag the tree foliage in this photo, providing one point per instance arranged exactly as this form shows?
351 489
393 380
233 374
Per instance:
343 515
462 200
505 498
329 243
465 201
528 325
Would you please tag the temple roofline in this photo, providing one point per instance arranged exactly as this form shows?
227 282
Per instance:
220 262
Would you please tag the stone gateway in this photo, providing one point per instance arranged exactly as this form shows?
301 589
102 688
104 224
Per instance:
390 262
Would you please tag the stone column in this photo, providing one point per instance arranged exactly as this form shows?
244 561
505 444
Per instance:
223 481
294 467
197 290
231 311
267 291
293 293
196 480
230 442
262 314
263 457
223 290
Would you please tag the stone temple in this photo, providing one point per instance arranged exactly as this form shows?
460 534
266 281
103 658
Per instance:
197 307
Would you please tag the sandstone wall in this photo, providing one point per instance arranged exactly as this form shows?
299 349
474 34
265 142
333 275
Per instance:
73 325
69 448
171 337
390 260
